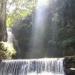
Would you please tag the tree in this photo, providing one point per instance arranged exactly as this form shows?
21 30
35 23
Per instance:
6 49
61 25
18 8
3 34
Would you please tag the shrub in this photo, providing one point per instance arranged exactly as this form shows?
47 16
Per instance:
6 50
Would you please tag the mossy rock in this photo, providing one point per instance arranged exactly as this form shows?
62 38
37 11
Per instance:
69 65
6 50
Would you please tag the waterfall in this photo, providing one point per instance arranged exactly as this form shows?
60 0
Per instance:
42 66
10 36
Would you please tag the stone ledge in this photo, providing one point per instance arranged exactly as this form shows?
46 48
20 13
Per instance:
69 65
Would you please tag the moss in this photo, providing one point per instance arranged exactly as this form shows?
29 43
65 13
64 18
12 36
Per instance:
6 50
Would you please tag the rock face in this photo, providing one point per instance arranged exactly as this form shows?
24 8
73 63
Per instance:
22 33
69 65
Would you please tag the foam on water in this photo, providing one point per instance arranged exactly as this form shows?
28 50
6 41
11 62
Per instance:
43 73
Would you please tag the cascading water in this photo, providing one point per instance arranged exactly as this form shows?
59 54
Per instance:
43 66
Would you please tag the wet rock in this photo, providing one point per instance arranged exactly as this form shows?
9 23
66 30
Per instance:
69 65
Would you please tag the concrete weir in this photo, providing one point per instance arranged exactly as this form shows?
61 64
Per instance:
42 66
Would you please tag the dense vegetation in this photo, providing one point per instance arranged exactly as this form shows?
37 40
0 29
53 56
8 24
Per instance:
8 10
18 8
61 16
6 51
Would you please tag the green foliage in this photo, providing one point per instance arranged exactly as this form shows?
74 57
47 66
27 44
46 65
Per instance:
22 9
66 35
6 50
62 24
11 18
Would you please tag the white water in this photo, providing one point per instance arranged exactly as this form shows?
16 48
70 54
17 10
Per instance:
44 66
10 36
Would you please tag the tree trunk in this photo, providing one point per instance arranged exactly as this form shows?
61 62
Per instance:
3 33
